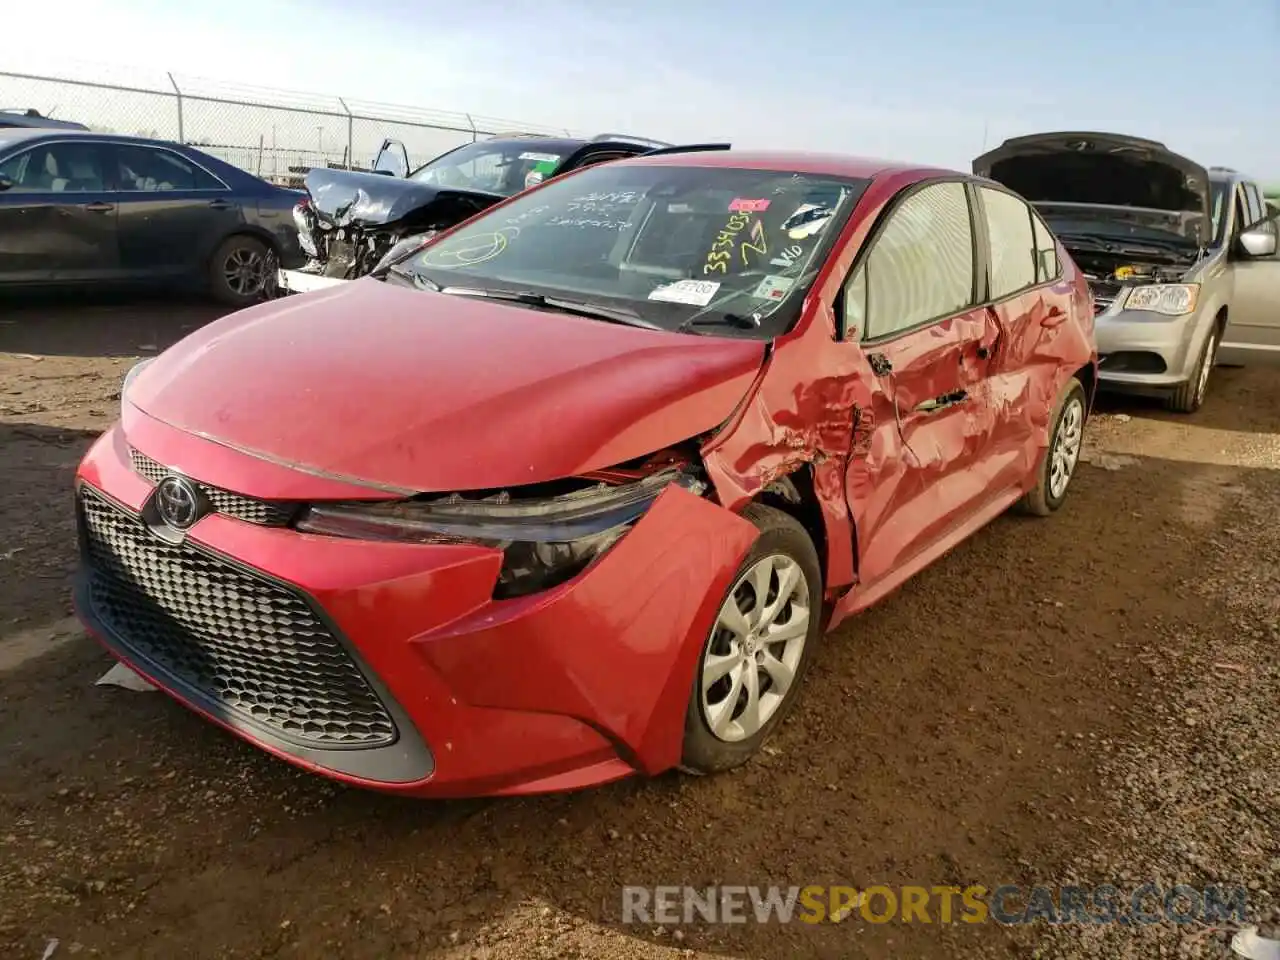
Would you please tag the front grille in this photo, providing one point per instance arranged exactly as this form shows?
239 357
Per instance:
262 512
250 646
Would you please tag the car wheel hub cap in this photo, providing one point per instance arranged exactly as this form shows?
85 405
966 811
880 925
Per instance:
1066 447
751 662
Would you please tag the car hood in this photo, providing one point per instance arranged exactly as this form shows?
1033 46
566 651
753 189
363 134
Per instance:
344 198
424 392
1105 177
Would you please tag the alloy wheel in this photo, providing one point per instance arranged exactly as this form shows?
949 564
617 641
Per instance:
751 662
1066 447
245 271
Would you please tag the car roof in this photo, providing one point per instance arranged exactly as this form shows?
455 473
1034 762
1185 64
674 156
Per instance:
559 144
829 164
1229 175
13 135
11 117
570 144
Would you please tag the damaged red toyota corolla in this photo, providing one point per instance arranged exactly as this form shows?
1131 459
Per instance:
572 492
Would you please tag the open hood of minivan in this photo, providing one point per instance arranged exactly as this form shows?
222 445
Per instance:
1105 177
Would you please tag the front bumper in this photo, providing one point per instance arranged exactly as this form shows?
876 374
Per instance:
1135 351
388 665
304 281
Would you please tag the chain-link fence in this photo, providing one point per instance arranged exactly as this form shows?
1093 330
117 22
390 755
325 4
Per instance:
277 135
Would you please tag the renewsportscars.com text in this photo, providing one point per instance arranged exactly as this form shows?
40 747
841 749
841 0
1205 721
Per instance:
1005 904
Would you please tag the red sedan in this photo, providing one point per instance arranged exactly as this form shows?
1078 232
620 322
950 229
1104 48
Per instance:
572 491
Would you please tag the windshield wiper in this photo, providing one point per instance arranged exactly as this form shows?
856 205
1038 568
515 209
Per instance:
577 308
1136 245
719 320
417 279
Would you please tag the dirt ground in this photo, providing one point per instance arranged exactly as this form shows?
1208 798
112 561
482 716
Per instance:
1089 697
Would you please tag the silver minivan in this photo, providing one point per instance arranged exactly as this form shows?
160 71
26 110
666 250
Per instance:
1182 259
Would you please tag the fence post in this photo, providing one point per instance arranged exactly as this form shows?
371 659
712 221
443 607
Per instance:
474 135
351 147
178 94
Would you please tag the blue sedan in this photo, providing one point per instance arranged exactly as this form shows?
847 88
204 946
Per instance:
92 208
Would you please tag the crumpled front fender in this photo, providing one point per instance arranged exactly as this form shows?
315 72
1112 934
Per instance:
617 647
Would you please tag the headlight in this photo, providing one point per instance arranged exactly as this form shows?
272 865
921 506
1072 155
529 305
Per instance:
128 378
403 248
1170 299
545 541
305 221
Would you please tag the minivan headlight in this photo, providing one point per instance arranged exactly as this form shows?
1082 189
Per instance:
544 540
1169 299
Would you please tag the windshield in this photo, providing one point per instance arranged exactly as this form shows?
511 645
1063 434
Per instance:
505 167
679 247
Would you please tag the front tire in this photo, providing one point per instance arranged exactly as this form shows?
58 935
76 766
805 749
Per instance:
1066 437
240 271
754 660
1189 397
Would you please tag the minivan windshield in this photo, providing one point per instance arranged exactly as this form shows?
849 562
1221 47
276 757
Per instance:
504 167
699 249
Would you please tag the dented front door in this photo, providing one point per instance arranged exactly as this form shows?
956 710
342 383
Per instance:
935 382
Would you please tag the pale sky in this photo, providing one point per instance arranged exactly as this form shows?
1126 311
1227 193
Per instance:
909 79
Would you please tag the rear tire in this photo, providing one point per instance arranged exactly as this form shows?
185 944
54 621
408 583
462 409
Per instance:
761 643
241 271
1189 397
1061 456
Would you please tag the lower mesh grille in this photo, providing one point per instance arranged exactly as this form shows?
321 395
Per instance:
252 646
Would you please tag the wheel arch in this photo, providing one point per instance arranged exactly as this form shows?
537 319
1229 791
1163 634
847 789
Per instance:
245 230
1088 377
795 494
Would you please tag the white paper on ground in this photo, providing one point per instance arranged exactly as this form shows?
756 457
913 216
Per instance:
122 676
1249 945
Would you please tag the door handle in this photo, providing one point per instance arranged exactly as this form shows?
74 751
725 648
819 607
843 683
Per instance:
1054 317
99 206
219 204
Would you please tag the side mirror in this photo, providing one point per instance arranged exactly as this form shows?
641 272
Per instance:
1260 241
5 183
392 159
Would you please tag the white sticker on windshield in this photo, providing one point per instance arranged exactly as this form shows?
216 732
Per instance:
772 288
540 157
697 293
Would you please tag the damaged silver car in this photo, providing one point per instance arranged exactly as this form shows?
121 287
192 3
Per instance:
350 222
1182 260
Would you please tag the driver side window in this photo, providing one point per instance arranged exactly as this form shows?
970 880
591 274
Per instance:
919 267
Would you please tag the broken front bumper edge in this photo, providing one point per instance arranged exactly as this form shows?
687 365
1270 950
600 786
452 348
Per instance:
300 281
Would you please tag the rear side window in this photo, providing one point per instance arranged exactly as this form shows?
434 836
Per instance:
150 170
1048 267
919 267
1013 243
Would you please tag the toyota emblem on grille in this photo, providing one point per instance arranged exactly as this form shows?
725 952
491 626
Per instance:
177 502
